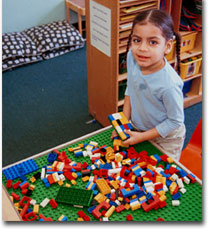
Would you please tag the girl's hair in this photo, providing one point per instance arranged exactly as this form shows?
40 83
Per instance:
163 21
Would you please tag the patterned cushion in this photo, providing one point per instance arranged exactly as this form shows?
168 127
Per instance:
17 45
37 43
54 36
16 62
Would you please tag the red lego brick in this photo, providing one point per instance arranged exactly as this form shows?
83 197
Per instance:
24 186
84 165
129 217
24 198
81 213
96 212
30 214
120 208
15 196
16 185
9 183
53 203
159 219
147 207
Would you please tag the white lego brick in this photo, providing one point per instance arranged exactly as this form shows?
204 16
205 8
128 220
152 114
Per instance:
105 219
32 202
43 172
186 180
175 202
61 177
118 202
118 129
165 188
85 154
112 190
44 202
91 178
117 116
180 183
183 190
114 171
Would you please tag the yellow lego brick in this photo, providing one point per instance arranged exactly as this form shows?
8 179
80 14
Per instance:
80 219
162 198
141 164
33 179
67 185
135 206
60 218
100 197
32 187
134 196
118 157
36 208
162 192
120 199
115 123
110 211
12 199
16 205
70 149
142 198
122 135
101 160
85 178
115 184
170 160
103 186
54 165
54 177
124 119
117 142
73 182
127 206
135 168
74 175
81 145
60 182
150 167
152 157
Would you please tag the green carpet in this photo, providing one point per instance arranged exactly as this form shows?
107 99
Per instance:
46 104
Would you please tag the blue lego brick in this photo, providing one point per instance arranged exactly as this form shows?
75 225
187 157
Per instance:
157 157
130 126
112 203
90 209
25 168
176 196
111 118
126 193
52 157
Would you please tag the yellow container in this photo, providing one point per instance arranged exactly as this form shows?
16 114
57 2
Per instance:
171 54
190 67
188 41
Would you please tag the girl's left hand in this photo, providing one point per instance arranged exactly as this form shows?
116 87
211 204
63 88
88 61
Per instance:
135 137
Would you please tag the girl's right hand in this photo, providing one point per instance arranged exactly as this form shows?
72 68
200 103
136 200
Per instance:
114 134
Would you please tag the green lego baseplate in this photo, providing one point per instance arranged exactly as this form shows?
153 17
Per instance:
190 208
73 196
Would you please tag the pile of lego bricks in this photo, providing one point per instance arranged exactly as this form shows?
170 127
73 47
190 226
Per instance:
77 182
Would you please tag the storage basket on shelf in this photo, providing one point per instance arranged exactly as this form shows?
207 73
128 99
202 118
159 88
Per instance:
190 67
188 41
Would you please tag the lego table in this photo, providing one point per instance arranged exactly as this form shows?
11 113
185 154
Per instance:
190 208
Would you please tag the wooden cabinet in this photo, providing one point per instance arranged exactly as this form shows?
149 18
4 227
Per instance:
106 82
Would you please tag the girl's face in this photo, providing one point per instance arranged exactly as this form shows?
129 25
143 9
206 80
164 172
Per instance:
148 46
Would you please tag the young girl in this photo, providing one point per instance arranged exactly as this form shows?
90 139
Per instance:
153 98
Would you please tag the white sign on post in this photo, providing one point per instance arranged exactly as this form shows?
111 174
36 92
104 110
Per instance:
100 27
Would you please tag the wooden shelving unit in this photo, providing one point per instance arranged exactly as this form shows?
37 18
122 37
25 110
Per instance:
103 71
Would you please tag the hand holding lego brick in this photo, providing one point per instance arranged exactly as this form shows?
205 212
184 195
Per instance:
134 137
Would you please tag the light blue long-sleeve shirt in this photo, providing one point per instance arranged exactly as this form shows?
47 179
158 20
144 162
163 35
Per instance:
156 99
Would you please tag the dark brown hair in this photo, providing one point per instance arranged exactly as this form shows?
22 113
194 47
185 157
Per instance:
163 21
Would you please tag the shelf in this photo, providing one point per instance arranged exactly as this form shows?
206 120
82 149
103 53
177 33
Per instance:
128 3
192 99
192 77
